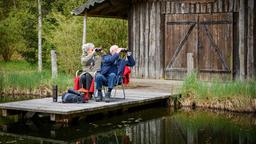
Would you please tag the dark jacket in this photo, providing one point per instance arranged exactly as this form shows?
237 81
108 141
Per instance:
113 64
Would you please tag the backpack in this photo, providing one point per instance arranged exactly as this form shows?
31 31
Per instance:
72 96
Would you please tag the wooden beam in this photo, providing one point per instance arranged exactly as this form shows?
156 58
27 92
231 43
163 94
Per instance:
146 40
190 63
251 40
84 30
242 40
141 40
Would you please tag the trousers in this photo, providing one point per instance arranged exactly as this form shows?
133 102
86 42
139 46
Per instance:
109 80
85 81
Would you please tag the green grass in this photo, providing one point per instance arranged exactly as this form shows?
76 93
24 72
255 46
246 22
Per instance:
23 76
198 89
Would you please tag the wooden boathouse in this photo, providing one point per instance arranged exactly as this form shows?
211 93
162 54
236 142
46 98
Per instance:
217 38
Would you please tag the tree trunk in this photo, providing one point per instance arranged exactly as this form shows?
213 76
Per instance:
39 37
242 40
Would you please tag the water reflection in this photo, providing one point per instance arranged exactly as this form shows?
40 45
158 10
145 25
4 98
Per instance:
152 126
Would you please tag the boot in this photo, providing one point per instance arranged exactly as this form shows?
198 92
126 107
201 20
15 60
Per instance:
99 97
107 97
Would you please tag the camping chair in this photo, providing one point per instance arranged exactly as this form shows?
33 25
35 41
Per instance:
122 79
76 86
120 82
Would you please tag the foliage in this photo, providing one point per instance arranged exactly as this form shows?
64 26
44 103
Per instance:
104 32
193 87
61 31
11 38
67 38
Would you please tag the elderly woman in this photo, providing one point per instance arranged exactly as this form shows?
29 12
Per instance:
90 61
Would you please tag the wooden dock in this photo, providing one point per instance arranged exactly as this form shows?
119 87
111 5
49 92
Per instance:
65 112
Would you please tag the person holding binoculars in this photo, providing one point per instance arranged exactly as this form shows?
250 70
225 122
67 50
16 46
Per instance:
91 61
112 66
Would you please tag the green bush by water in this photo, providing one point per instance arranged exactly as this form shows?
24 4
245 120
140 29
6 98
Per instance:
199 89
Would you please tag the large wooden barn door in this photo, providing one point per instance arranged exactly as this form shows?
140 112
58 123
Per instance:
208 36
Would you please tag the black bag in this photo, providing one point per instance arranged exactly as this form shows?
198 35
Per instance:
72 96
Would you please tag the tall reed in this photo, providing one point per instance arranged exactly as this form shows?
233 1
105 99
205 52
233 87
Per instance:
199 89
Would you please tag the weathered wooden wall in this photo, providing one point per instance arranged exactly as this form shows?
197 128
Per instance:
146 39
147 20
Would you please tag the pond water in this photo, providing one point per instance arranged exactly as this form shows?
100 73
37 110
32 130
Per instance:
150 126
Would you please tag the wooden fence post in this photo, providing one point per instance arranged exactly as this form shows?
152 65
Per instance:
190 63
54 64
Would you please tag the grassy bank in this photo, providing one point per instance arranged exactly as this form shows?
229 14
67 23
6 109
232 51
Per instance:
21 78
233 96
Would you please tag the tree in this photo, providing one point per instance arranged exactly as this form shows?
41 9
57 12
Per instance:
11 39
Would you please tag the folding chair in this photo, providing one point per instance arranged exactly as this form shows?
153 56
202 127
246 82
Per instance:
76 86
121 78
120 82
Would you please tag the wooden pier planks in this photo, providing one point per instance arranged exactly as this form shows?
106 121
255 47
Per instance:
47 106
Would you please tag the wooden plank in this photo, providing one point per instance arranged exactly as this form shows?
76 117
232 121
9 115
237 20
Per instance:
220 5
133 35
141 39
209 7
130 30
190 63
193 8
242 40
182 8
236 5
163 7
203 8
152 42
251 70
230 5
215 7
172 9
177 7
146 39
162 43
226 5
157 38
168 9
137 37
198 8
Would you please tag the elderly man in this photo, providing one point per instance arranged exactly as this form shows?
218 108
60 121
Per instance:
112 66
91 63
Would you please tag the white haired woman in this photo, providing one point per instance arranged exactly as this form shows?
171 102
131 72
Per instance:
90 61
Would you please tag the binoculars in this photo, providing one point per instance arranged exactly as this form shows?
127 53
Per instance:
124 50
98 49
